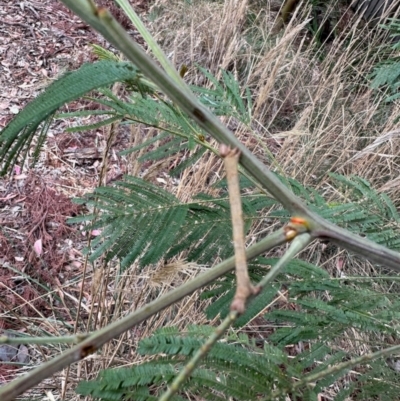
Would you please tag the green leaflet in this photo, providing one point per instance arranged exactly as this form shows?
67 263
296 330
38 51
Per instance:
226 97
99 124
140 221
238 366
17 135
387 73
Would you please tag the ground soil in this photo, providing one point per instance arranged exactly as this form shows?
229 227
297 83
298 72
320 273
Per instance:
39 251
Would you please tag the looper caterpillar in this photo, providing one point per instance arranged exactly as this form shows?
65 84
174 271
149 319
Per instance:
244 287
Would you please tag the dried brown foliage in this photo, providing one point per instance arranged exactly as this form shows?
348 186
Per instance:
42 217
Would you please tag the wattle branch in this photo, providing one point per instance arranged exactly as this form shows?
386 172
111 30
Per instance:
101 20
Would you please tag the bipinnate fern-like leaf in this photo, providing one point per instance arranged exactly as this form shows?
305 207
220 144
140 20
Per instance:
359 208
113 385
16 137
175 130
323 307
387 73
236 367
319 311
231 369
104 54
225 98
141 221
138 219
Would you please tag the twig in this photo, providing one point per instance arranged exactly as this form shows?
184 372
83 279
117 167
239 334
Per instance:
283 16
244 287
297 245
201 353
75 339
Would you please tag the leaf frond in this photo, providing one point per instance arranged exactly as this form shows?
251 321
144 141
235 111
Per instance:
70 86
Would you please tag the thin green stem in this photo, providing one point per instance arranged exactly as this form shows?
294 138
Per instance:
298 244
330 370
198 356
75 339
152 44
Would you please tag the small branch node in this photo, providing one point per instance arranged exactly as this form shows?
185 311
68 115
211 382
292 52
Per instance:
225 151
296 226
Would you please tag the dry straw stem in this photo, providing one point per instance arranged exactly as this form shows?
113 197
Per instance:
92 343
226 47
111 132
326 94
388 137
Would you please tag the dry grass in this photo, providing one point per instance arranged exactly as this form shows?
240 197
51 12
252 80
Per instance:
313 114
315 103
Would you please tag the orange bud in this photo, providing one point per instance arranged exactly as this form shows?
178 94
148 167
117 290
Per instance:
299 221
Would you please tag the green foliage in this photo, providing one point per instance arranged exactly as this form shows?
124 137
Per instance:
134 213
143 106
323 307
104 54
326 308
175 130
225 99
357 207
319 311
234 368
224 290
387 73
17 136
140 220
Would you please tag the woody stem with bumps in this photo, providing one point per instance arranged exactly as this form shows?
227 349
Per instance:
101 20
244 287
